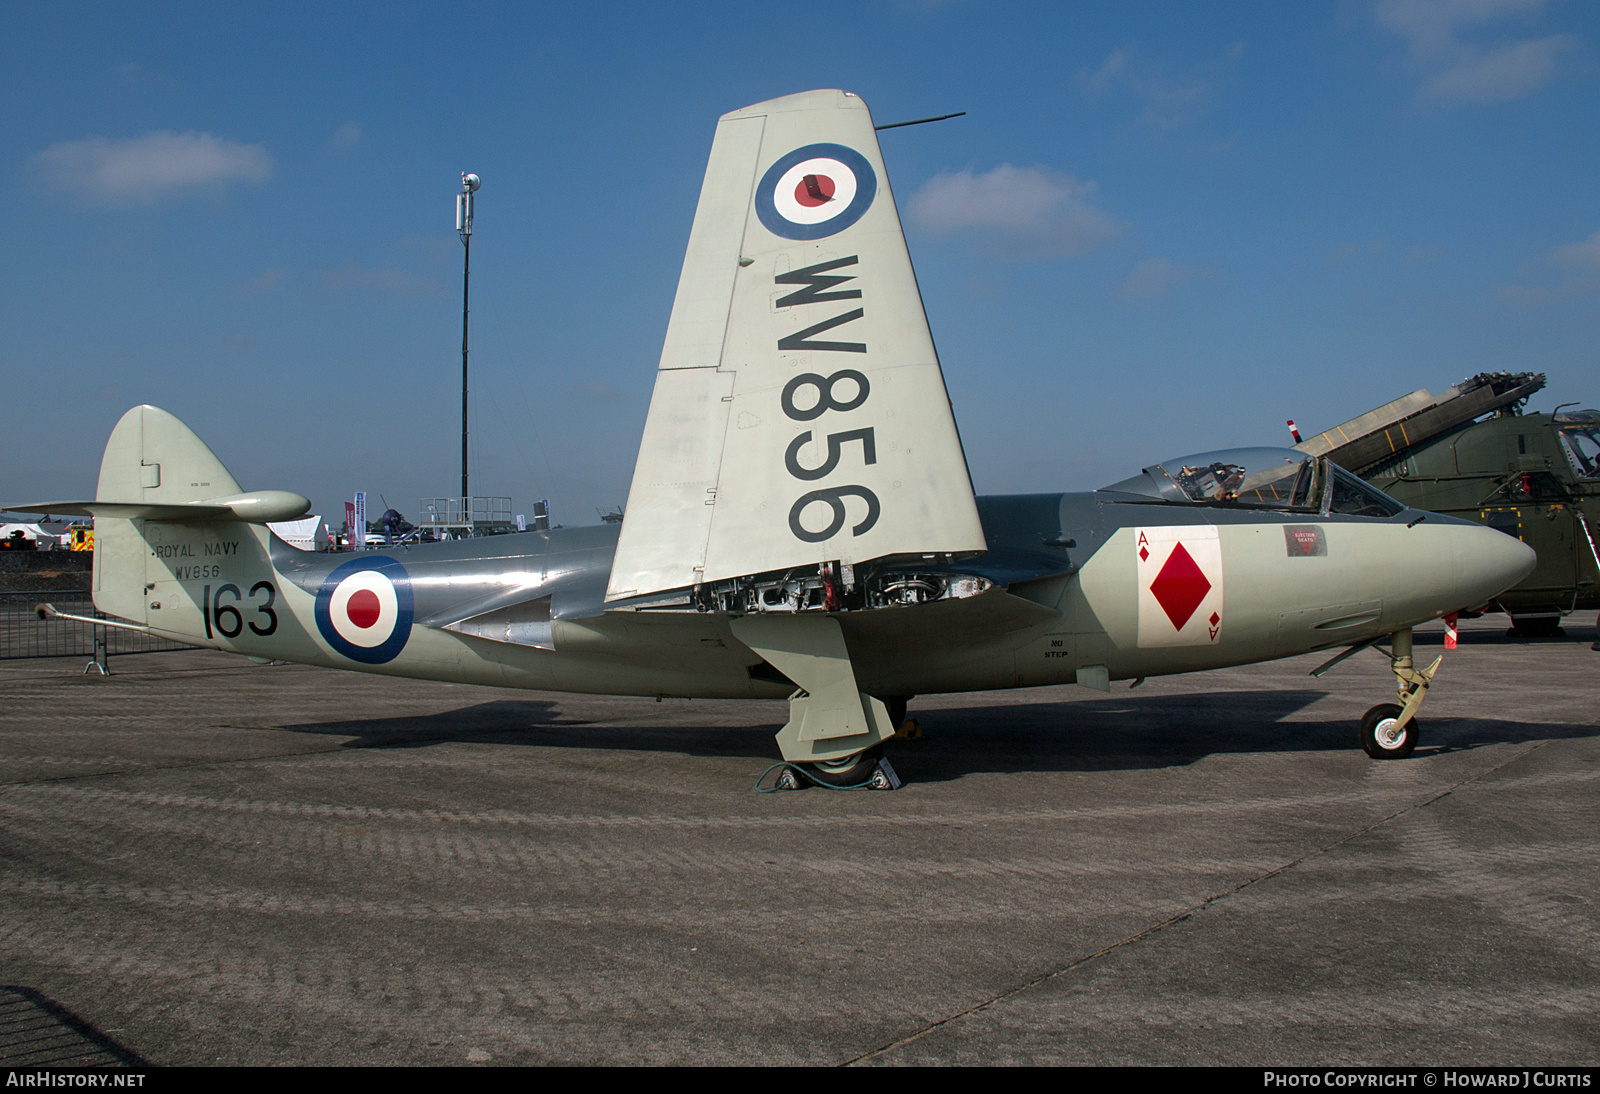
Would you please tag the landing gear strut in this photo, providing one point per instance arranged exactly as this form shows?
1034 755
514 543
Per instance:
1389 731
835 733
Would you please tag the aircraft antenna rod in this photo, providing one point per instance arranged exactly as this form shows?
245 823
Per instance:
922 121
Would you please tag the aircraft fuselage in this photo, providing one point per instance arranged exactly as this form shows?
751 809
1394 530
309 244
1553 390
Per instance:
1088 587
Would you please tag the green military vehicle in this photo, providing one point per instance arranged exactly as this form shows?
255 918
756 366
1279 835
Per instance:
1472 452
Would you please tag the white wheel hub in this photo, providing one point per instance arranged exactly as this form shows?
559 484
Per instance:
1390 734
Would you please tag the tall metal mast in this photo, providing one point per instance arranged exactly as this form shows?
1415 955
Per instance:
469 186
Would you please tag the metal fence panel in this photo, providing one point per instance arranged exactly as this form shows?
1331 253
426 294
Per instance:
24 634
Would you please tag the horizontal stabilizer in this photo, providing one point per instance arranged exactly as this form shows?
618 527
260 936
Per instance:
257 507
128 510
800 414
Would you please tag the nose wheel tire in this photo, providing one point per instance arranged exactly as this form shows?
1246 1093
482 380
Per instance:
1383 738
852 770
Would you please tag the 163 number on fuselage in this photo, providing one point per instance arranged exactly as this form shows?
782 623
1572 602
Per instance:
220 612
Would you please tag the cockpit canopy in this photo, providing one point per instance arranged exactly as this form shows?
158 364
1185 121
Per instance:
1580 440
1260 478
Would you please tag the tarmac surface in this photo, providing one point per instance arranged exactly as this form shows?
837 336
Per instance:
205 860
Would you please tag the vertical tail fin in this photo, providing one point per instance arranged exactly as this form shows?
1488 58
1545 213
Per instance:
154 459
800 414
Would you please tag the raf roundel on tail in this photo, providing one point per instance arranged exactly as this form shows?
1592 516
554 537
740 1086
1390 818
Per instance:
815 192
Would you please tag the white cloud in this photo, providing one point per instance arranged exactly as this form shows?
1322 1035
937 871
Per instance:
1431 26
1578 256
1581 263
1458 70
343 279
1022 212
1106 76
1154 276
1509 72
346 136
143 169
1169 101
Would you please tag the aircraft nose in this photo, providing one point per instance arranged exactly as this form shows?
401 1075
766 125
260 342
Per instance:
1488 562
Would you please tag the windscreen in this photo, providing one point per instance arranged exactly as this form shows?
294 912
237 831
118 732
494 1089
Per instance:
1355 498
1580 439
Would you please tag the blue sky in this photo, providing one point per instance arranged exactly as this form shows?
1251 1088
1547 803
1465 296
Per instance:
1160 228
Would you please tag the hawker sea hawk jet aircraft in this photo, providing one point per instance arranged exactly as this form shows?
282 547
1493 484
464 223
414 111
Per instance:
801 522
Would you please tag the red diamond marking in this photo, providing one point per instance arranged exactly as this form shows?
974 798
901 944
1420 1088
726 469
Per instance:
1215 619
1180 587
1144 553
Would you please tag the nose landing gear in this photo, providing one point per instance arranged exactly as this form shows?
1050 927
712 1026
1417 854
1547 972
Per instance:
1382 735
1389 731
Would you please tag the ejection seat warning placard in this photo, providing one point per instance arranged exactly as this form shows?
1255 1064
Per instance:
1180 585
1305 541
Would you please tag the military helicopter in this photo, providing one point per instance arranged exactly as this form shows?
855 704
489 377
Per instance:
1472 452
801 522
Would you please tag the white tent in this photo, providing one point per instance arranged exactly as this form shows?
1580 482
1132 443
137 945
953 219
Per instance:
46 540
308 533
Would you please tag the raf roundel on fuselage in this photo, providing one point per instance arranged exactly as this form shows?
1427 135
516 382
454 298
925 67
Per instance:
815 191
364 609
